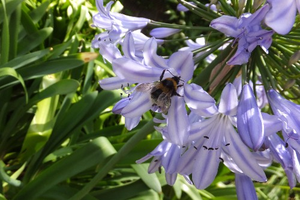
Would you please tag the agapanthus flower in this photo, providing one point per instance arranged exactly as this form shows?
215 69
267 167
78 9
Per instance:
281 16
116 26
247 31
145 72
214 137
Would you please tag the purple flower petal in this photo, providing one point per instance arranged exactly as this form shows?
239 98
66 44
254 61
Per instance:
131 123
244 187
271 124
128 47
135 72
287 111
150 56
249 120
229 100
139 104
227 25
163 32
171 178
109 51
129 22
205 168
171 158
199 100
112 83
281 16
177 122
242 156
182 62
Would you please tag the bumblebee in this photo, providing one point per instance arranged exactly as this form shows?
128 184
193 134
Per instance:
163 90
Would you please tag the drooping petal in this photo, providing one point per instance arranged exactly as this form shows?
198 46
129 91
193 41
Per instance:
281 16
244 187
242 156
182 62
139 104
150 56
226 24
229 100
240 57
177 122
249 120
171 178
131 123
163 32
199 100
134 71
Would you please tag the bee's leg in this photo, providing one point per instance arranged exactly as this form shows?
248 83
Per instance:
179 85
175 93
162 75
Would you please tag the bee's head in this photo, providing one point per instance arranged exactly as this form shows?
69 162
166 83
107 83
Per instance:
176 79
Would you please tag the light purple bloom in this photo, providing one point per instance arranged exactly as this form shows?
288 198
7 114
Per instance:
247 30
116 26
281 16
146 71
249 119
215 136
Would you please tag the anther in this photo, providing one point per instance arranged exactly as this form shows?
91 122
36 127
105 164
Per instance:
205 147
227 144
206 137
222 160
195 148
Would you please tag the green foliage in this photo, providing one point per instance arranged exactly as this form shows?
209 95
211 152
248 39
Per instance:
58 136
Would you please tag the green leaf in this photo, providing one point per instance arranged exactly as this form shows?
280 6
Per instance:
150 180
26 59
93 153
7 71
11 5
5 36
33 40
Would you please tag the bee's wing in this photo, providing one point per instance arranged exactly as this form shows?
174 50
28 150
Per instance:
164 102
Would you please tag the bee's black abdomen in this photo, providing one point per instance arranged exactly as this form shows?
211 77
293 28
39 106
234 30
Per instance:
155 94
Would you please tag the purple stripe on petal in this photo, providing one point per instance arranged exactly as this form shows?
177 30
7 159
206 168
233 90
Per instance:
205 168
128 46
171 158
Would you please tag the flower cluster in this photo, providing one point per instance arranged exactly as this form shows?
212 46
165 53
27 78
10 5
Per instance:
199 132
